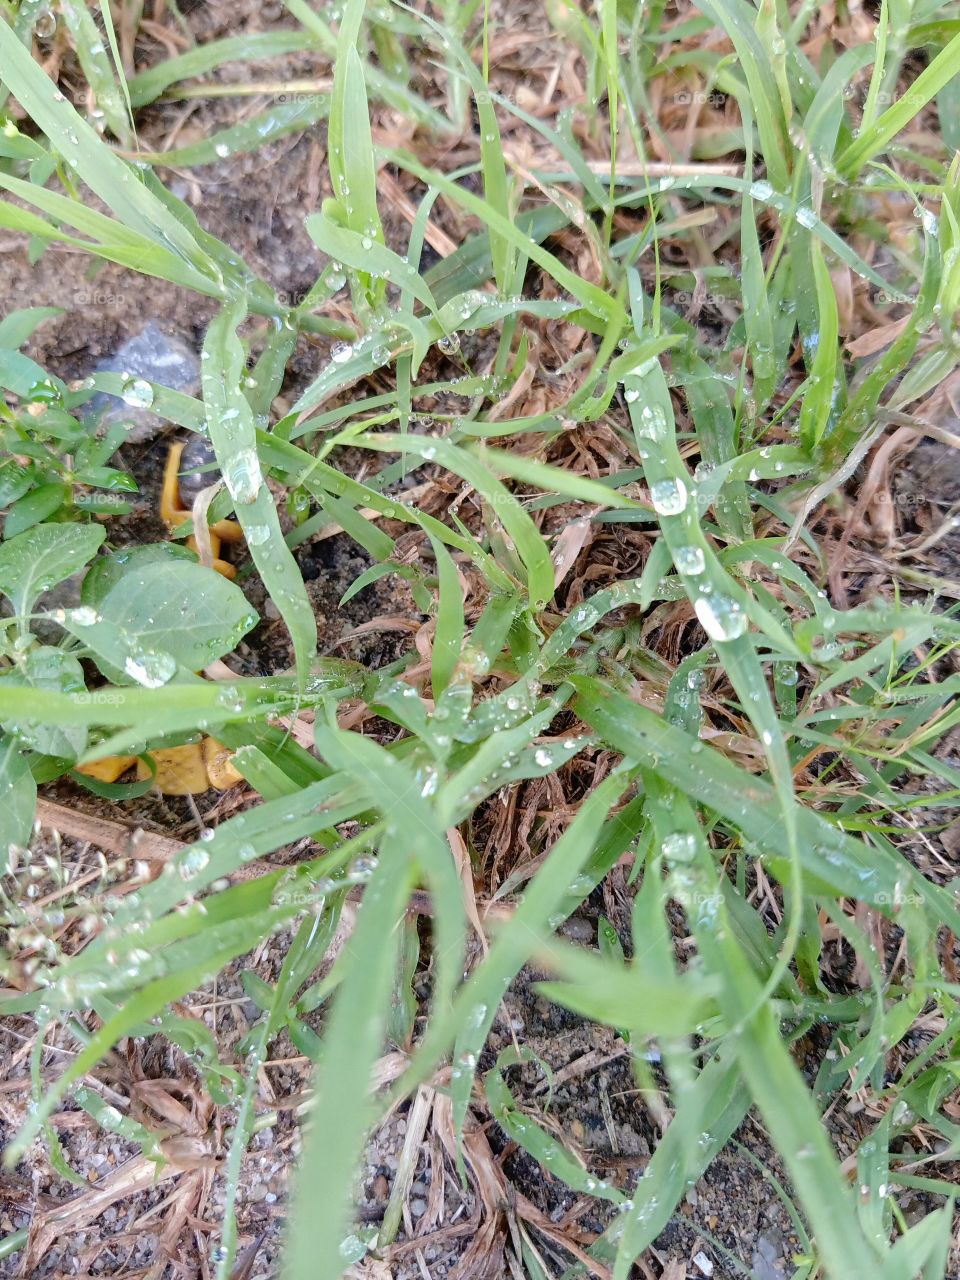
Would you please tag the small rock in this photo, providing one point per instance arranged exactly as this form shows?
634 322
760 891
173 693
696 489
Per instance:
703 1263
259 1191
418 1208
768 1261
197 469
154 356
577 929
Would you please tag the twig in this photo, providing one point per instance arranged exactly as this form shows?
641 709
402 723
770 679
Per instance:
111 837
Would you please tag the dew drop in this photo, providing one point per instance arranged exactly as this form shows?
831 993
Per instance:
689 560
669 497
151 669
721 617
83 616
679 846
137 392
652 422
45 24
243 477
257 534
193 862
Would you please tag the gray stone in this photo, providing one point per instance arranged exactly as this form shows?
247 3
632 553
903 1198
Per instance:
768 1262
197 469
156 357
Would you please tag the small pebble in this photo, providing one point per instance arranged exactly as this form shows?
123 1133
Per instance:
418 1208
577 929
703 1263
768 1257
157 357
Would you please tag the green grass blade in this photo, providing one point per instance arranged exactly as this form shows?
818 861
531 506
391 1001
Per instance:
343 1111
106 174
232 433
874 139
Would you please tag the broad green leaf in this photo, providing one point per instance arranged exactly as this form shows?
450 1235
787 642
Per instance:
722 1101
163 616
37 560
18 797
818 403
107 571
147 85
47 668
628 995
738 19
95 64
534 1139
364 253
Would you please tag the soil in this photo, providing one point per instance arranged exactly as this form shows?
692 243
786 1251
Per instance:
729 1224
